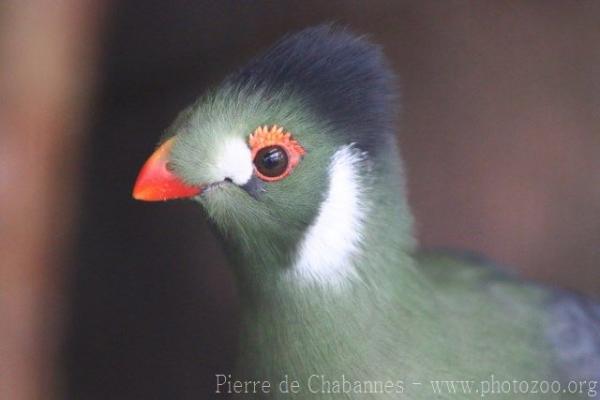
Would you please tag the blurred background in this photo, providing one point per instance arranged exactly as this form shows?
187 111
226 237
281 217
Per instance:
102 297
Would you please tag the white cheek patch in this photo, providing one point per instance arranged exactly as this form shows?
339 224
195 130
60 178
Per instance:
326 253
234 161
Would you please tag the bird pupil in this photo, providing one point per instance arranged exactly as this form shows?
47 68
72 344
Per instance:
271 161
272 158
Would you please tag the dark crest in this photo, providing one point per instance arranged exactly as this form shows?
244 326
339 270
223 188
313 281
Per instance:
345 78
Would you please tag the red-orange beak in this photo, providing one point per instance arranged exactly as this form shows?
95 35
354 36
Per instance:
156 183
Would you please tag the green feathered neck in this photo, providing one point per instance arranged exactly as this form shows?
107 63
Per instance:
405 318
291 327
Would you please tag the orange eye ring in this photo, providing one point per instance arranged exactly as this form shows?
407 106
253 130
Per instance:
267 145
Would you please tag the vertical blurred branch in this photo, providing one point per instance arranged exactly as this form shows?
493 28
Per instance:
47 54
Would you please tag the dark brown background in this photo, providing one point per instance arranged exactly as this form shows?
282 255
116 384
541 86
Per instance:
500 132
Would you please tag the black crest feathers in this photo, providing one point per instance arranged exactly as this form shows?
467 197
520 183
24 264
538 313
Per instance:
345 78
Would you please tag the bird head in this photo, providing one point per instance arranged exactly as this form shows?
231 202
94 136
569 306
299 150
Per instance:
284 151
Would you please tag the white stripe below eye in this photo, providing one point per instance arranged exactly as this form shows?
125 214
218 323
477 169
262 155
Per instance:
325 254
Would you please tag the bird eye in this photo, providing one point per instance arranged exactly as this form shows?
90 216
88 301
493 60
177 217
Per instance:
275 152
271 162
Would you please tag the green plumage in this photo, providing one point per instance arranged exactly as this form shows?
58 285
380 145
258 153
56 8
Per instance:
401 316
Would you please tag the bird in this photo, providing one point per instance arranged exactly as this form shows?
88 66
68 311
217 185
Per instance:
295 162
